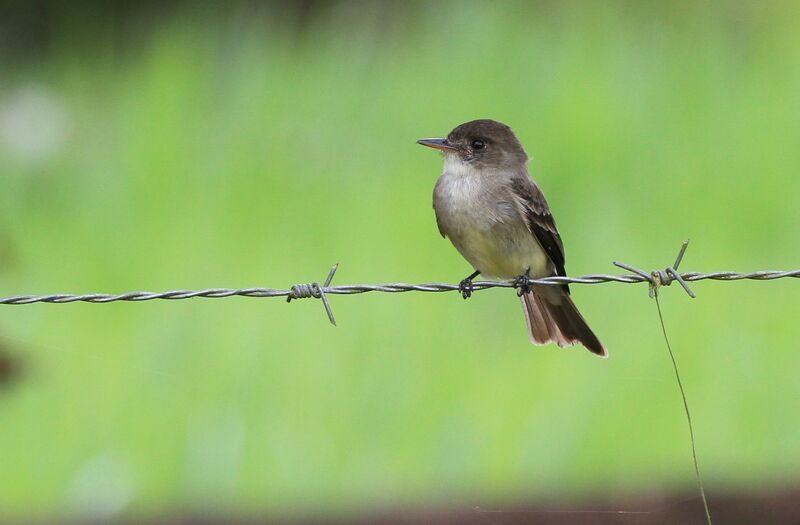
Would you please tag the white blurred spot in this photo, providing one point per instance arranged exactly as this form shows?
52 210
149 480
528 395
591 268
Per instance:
102 487
33 123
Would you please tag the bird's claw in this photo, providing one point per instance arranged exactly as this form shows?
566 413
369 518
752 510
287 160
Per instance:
522 285
466 288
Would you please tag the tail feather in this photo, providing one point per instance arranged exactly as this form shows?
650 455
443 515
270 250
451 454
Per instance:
553 317
538 321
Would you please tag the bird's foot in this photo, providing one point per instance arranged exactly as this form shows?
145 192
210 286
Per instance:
521 284
466 288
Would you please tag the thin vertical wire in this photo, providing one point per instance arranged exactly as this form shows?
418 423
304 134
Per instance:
686 409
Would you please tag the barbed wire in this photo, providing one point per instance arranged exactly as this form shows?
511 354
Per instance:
351 289
655 279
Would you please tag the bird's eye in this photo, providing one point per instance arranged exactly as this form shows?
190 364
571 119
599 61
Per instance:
478 144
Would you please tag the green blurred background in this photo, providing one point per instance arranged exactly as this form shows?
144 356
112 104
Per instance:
195 146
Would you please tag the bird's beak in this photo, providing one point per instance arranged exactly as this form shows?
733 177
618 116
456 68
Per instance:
441 144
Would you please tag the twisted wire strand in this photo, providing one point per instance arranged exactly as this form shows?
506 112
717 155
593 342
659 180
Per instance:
351 289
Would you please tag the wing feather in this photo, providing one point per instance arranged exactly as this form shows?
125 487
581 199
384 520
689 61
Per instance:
540 220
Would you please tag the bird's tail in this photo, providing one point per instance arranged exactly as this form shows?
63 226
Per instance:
553 317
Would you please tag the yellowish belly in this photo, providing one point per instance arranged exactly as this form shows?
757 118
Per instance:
502 252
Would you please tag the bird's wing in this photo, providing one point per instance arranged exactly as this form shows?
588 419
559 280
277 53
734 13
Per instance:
540 220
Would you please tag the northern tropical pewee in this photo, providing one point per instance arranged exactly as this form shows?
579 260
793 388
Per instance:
498 219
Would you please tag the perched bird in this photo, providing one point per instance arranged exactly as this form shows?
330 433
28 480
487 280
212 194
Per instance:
498 219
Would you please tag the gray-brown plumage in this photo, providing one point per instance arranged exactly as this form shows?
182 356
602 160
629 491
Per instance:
498 219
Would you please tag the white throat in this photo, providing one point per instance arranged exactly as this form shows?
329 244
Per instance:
456 167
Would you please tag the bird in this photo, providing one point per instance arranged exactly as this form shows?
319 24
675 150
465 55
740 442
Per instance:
498 219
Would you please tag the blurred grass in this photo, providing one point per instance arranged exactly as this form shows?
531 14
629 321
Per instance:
225 150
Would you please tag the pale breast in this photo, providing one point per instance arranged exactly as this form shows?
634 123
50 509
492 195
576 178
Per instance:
485 225
457 201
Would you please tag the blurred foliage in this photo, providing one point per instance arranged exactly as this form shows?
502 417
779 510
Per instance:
228 147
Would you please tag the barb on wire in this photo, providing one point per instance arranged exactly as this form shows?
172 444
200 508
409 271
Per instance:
302 291
664 277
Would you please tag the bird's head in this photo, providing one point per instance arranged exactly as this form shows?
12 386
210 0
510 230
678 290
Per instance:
481 144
